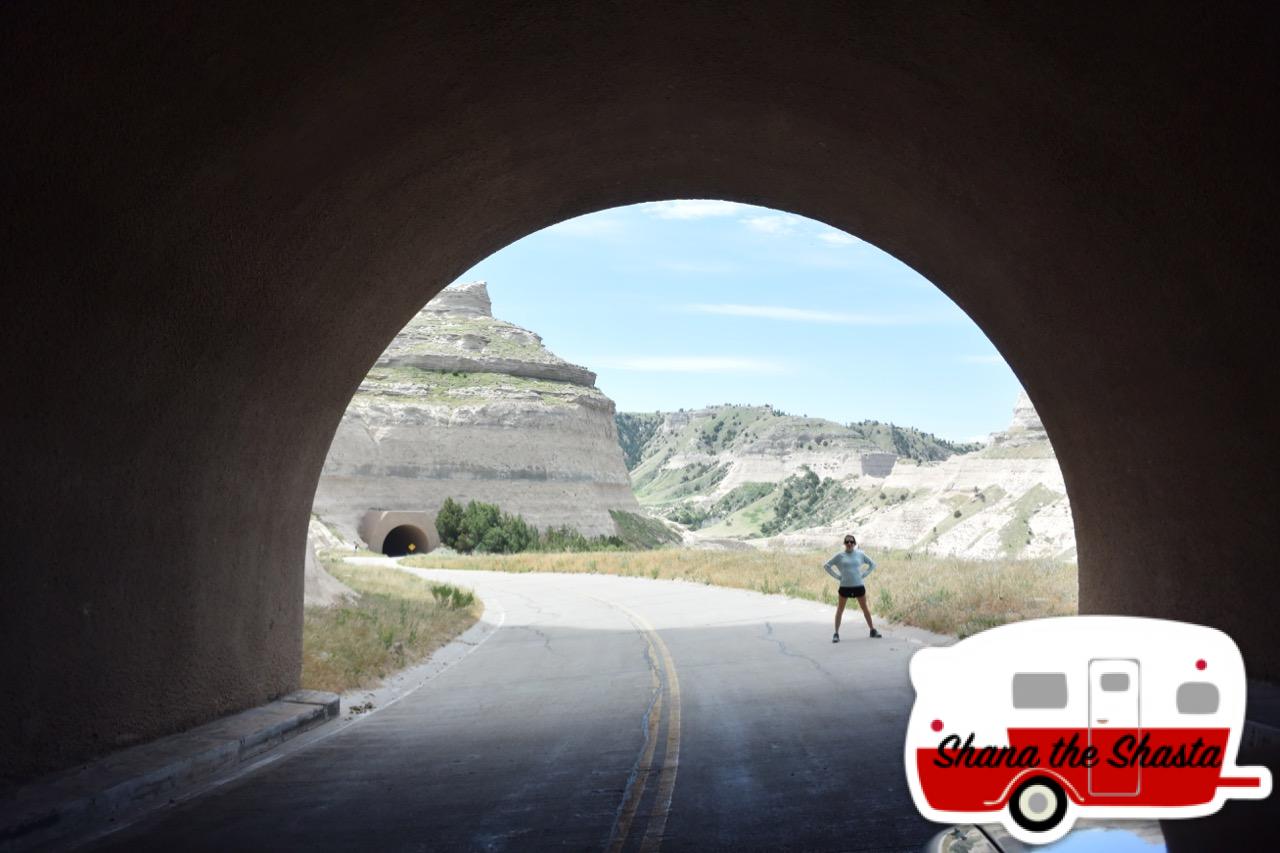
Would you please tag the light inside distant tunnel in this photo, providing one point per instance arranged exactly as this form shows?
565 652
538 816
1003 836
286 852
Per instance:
402 540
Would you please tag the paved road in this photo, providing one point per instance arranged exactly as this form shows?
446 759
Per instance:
603 713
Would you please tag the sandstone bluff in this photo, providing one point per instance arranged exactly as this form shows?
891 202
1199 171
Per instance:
467 406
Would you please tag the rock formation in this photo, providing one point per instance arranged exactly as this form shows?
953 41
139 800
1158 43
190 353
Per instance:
467 406
1024 431
1006 500
721 470
681 453
321 589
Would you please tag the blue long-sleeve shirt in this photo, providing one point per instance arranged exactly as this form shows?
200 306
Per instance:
850 565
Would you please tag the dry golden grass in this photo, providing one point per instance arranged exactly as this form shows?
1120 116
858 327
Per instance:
946 595
398 620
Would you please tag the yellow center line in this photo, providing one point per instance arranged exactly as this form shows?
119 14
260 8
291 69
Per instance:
671 757
659 656
635 788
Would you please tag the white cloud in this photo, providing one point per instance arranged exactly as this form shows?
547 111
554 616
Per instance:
981 359
809 315
692 364
772 223
591 225
838 238
693 208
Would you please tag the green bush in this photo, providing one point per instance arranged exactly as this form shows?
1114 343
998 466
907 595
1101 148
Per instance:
486 529
565 538
690 516
448 595
449 522
483 527
807 500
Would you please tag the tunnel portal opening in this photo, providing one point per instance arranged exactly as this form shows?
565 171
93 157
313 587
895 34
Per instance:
403 540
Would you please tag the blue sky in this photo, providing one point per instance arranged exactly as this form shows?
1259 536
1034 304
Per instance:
681 304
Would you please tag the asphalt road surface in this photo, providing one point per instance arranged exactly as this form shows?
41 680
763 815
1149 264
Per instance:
600 713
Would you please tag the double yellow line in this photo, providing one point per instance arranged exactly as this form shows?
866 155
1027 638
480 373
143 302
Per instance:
666 701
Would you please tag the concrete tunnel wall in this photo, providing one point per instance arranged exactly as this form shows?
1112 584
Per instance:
216 217
375 525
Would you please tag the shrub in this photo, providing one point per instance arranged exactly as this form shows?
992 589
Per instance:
806 499
449 522
690 516
486 529
565 538
483 527
447 595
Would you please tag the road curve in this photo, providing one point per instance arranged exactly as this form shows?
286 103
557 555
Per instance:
605 713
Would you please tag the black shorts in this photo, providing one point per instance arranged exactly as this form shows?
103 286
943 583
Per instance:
852 591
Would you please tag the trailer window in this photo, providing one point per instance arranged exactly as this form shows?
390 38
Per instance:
1114 682
1197 697
1039 690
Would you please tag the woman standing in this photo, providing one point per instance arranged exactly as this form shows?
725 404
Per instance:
846 567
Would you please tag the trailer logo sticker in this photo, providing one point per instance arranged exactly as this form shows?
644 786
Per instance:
1039 723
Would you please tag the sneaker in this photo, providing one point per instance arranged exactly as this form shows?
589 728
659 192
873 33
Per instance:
875 635
835 638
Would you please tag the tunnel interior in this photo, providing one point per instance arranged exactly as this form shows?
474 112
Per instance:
404 539
253 224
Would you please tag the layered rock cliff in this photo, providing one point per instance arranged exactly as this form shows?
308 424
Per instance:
1006 500
753 475
467 406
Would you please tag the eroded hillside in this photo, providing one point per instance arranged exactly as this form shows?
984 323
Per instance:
753 474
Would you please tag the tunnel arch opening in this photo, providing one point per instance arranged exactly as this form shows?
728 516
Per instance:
403 540
883 279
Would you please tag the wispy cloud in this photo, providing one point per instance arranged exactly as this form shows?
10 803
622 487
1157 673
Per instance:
810 315
838 238
981 359
692 364
693 208
772 223
591 225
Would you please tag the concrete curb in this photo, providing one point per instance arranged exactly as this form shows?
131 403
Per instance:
87 798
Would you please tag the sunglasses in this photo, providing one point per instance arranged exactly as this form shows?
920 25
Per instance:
850 542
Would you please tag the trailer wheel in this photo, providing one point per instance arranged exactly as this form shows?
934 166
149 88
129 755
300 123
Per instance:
1038 805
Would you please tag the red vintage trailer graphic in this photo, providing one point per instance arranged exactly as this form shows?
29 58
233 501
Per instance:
1041 722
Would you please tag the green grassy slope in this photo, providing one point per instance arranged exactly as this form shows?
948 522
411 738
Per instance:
634 432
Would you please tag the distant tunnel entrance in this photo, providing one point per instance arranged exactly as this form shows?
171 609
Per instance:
405 539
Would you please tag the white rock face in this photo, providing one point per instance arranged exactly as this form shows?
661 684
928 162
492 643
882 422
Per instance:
465 406
469 299
1025 428
774 467
322 538
321 589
